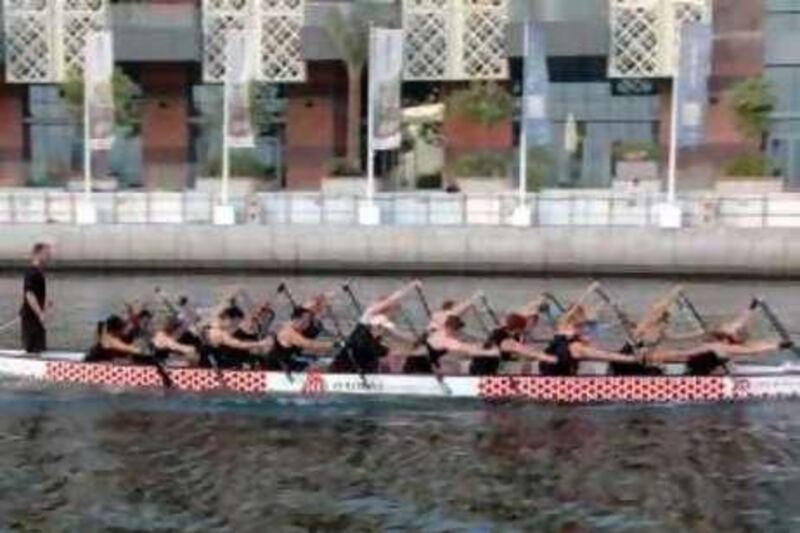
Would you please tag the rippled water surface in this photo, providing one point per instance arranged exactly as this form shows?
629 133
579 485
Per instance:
87 460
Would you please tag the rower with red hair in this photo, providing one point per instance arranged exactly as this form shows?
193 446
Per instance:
509 339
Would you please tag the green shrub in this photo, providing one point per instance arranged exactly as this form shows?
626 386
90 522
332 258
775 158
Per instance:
243 164
540 166
485 103
752 102
749 165
340 167
636 150
481 165
126 103
429 181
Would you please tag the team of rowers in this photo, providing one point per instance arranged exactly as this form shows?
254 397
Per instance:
237 334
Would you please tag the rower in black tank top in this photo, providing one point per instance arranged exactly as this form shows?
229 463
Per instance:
424 364
361 353
704 363
632 369
284 358
489 366
566 364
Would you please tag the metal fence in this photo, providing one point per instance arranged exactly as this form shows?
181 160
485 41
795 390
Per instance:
549 208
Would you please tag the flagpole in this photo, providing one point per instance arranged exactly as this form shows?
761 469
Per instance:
523 124
370 124
521 216
369 214
225 163
673 142
87 148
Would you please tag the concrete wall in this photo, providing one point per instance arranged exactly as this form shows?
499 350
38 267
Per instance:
600 251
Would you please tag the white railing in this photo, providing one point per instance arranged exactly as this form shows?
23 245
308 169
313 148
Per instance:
549 208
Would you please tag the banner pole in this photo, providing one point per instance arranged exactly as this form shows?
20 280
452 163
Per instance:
673 141
87 148
370 122
523 124
225 163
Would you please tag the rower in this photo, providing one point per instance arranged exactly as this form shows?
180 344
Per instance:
110 344
570 345
451 308
317 306
167 347
227 350
445 342
254 325
365 347
137 325
725 343
510 340
290 342
649 332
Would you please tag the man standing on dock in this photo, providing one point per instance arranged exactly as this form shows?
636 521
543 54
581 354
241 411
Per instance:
33 314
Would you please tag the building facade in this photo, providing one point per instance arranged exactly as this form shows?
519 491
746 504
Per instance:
175 140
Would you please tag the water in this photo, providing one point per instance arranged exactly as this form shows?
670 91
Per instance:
83 460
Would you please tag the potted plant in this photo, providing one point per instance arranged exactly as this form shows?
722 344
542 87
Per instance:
751 174
540 167
480 172
248 174
751 102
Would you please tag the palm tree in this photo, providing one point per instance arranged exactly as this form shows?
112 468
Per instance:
348 28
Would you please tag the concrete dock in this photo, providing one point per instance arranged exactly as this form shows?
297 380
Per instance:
458 249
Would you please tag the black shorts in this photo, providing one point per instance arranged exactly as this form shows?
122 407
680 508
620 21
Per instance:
34 336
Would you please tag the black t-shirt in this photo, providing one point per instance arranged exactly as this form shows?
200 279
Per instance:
35 284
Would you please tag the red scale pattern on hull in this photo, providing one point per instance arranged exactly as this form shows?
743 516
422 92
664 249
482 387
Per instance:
194 380
603 389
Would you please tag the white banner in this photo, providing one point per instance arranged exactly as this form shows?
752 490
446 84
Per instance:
238 77
98 84
385 74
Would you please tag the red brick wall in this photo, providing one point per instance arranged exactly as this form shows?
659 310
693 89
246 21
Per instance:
12 134
316 124
462 136
165 128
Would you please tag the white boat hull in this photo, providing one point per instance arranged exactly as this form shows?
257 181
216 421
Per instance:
762 382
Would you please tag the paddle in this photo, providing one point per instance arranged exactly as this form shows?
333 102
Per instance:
337 327
163 374
353 299
490 310
778 326
625 321
284 290
9 324
688 304
436 369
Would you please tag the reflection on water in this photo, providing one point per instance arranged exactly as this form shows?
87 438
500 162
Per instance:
83 460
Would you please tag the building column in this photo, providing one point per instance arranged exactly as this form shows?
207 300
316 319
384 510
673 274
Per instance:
165 125
12 134
316 124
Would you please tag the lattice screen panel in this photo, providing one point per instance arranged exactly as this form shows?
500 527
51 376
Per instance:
455 39
45 38
30 40
645 35
79 17
275 25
